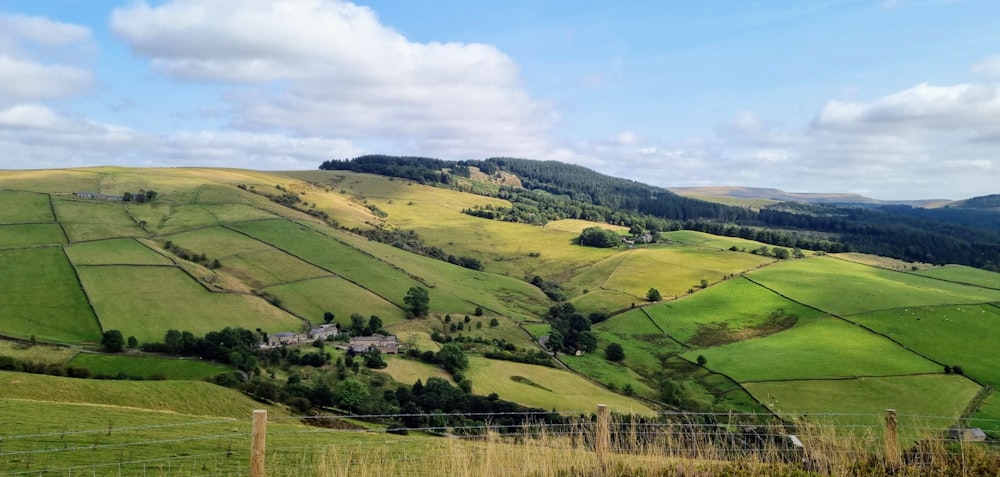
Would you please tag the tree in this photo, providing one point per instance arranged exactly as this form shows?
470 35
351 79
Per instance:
494 322
704 283
653 295
328 317
452 358
418 300
479 312
127 197
357 324
113 341
598 237
702 360
133 342
373 359
614 352
351 394
374 323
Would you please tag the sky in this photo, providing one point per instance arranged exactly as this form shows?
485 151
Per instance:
892 99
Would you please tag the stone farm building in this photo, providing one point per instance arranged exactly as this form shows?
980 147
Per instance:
95 195
385 344
320 332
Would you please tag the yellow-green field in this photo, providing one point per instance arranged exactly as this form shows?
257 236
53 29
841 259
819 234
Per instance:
312 298
181 304
963 274
92 219
37 353
147 366
125 251
29 235
22 207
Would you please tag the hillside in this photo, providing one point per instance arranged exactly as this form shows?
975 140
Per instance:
739 324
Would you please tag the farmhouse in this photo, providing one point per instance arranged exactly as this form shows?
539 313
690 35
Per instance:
323 332
94 195
385 344
281 339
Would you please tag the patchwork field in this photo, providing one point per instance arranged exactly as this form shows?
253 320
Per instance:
29 235
824 348
842 287
963 274
91 219
147 366
701 239
312 298
181 304
40 296
125 251
22 207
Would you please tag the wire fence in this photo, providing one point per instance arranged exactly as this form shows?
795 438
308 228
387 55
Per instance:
420 444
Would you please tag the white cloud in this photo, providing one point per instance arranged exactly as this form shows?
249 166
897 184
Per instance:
329 68
26 77
924 106
989 67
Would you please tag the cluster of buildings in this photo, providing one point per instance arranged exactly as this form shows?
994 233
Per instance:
320 332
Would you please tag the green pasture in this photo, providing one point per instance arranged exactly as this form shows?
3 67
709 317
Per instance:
40 296
256 263
594 366
644 344
29 235
50 180
824 348
495 293
577 226
311 298
92 219
864 400
951 334
506 329
544 387
701 239
124 251
408 371
842 287
21 207
604 301
537 329
963 274
733 310
147 301
148 366
987 417
39 353
674 270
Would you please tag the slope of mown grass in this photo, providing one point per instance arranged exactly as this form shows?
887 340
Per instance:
843 287
125 251
93 219
730 311
864 400
824 348
963 274
28 235
701 239
951 334
673 270
40 296
312 298
148 366
256 263
147 301
21 207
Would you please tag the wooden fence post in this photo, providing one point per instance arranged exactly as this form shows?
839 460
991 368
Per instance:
257 446
892 456
602 438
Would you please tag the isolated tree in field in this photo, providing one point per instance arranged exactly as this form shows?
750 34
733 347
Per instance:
452 358
479 312
417 300
653 295
704 283
113 341
702 360
614 352
328 317
494 322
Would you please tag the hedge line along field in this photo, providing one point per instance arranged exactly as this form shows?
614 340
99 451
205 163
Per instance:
22 207
40 296
30 235
733 310
931 395
950 334
124 251
842 287
181 304
823 348
312 298
147 366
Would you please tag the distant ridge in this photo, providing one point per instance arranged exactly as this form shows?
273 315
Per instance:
739 192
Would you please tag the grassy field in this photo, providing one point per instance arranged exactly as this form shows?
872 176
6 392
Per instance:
39 353
408 371
255 263
733 310
125 251
826 348
148 366
868 398
843 287
701 239
28 235
576 226
594 366
311 298
40 296
881 262
181 304
91 219
50 180
643 342
22 207
949 334
963 274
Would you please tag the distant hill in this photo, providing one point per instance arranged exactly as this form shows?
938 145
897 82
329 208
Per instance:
740 192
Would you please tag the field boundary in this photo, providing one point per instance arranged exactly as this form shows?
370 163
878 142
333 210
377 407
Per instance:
842 378
910 272
668 335
76 273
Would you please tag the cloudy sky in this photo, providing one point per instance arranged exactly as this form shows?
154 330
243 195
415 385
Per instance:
894 99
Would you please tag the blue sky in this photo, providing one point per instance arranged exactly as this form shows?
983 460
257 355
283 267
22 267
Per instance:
891 99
